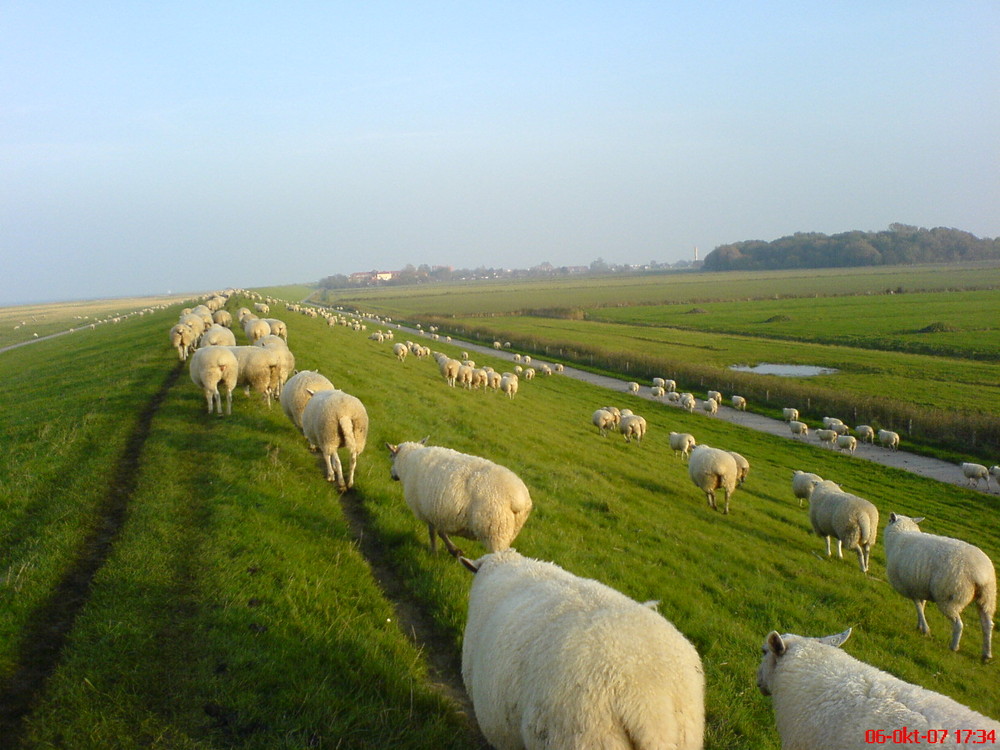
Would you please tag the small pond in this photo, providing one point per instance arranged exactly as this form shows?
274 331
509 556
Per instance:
791 371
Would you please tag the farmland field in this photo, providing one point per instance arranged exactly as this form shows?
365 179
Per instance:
239 601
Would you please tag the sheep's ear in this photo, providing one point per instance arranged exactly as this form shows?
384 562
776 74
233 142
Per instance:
424 441
893 518
393 449
469 564
775 643
311 392
918 519
836 640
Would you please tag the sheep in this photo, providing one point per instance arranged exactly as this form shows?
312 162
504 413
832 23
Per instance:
803 483
195 322
216 335
632 387
711 469
790 415
278 327
851 519
682 443
742 465
826 437
710 405
455 493
865 433
464 377
529 373
824 698
739 403
798 428
715 396
182 338
259 369
995 473
223 318
552 660
659 383
847 443
560 368
449 369
688 401
632 426
255 328
211 367
400 350
603 421
508 384
657 391
670 385
829 422
974 472
947 571
332 420
297 392
889 439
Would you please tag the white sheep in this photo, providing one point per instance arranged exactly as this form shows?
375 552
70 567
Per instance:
528 373
710 405
852 520
659 383
259 369
212 367
297 392
742 465
560 368
670 385
455 493
739 403
889 439
949 572
278 327
449 369
657 391
632 426
632 387
286 360
798 428
216 335
829 422
182 338
826 437
508 384
551 660
865 433
682 443
974 472
824 698
715 396
332 420
603 420
995 473
847 443
803 483
712 469
687 401
223 318
255 328
400 350
790 415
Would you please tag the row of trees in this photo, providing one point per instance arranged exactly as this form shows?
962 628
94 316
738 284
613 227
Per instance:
899 244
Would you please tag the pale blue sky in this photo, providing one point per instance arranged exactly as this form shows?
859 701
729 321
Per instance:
186 146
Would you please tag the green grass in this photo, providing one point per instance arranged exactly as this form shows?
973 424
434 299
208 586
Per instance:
236 608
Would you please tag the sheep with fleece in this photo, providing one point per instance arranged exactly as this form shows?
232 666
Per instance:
332 420
286 359
528 372
552 660
182 339
852 520
739 403
824 698
449 369
974 472
889 439
847 443
798 428
715 396
297 392
632 426
687 401
949 572
659 383
742 465
865 433
803 483
278 327
255 328
216 335
259 369
508 384
455 493
400 350
211 367
657 391
712 469
710 405
603 420
995 473
632 387
826 437
195 322
790 415
682 443
223 318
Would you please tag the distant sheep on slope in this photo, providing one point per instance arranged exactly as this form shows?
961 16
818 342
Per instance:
852 520
711 469
551 660
682 443
632 426
332 420
974 472
889 439
803 484
297 392
824 698
455 493
212 367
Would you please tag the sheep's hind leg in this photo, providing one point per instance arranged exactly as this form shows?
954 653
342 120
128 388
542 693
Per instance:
452 549
956 631
987 623
921 620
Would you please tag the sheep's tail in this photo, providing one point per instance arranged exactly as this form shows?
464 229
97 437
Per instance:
986 598
347 433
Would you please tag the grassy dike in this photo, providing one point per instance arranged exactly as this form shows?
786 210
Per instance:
245 604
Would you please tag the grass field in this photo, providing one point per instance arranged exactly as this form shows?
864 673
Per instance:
238 601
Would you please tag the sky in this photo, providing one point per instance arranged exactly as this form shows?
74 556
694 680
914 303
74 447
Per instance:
148 148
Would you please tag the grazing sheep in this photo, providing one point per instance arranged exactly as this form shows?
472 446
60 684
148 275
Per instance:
297 392
216 335
829 422
889 439
715 396
182 338
826 437
259 369
632 426
840 429
742 465
400 350
739 403
803 484
332 420
223 318
255 328
286 360
278 327
559 368
449 369
798 428
508 384
528 372
465 376
825 698
865 433
688 401
211 367
712 469
670 385
657 391
974 472
790 415
455 493
195 322
710 405
851 519
632 387
659 383
551 660
949 572
603 420
682 443
847 443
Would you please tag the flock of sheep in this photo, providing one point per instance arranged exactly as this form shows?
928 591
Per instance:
552 660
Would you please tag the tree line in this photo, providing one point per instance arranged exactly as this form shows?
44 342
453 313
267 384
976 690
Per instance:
899 244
